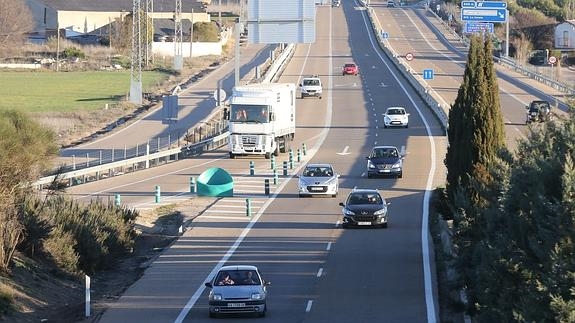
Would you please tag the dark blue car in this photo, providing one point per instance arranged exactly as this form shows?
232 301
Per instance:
385 161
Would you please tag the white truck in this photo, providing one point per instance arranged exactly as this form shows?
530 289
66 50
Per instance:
261 119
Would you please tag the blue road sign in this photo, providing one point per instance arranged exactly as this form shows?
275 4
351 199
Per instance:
491 4
479 27
484 15
428 74
483 4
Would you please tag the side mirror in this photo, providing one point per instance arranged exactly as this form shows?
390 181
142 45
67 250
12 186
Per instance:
387 203
300 84
208 285
341 204
337 175
367 157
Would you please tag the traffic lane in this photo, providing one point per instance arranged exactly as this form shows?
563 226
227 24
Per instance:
289 244
168 283
532 88
151 125
513 93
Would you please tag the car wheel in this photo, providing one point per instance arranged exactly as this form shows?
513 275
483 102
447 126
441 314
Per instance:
369 175
407 125
384 225
302 96
400 175
385 126
212 315
232 156
345 225
334 195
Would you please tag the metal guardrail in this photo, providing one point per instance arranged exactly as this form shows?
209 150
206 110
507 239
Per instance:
211 133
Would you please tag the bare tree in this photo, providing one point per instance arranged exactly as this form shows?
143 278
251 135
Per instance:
522 46
15 22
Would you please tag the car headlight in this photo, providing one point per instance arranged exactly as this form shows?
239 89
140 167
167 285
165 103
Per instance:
348 212
370 164
331 182
256 296
380 212
397 165
217 297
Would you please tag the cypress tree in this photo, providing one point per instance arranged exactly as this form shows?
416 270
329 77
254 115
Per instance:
475 132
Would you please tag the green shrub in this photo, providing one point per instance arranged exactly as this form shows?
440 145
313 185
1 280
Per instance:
97 233
73 52
61 248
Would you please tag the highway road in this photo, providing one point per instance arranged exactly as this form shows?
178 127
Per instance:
319 272
196 103
415 30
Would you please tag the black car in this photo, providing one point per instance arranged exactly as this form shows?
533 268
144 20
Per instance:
538 111
364 207
385 161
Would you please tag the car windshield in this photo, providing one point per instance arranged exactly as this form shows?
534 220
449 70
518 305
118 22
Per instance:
349 65
538 106
364 198
311 82
384 153
395 111
237 277
318 171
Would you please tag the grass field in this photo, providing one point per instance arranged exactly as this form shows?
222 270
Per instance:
33 91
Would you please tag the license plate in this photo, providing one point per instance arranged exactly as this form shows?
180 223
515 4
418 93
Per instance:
236 304
384 171
364 223
317 188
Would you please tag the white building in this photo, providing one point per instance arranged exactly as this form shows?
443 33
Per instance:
565 35
85 16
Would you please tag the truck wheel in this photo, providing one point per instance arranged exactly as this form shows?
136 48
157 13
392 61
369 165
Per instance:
232 156
268 155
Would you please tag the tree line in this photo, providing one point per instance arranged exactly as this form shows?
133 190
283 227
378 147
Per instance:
513 211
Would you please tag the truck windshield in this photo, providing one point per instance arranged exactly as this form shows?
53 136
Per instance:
249 113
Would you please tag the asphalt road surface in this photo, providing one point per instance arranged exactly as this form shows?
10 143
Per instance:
319 271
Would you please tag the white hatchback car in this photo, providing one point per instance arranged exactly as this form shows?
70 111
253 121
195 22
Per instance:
396 117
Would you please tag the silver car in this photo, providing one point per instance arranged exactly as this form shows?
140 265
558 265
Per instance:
238 289
318 179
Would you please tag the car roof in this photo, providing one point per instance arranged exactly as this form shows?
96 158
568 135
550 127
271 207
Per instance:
318 165
349 64
381 147
238 267
364 190
396 108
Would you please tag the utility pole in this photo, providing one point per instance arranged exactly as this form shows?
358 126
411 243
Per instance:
178 59
136 68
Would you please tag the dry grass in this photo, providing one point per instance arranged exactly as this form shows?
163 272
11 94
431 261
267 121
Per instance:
80 123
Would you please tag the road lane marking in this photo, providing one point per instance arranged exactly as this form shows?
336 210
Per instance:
328 247
425 254
311 152
308 307
319 272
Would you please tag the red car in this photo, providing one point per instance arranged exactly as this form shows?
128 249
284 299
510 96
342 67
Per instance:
350 69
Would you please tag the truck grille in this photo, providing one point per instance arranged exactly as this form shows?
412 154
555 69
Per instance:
251 140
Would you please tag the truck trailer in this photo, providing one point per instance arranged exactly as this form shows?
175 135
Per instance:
261 119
